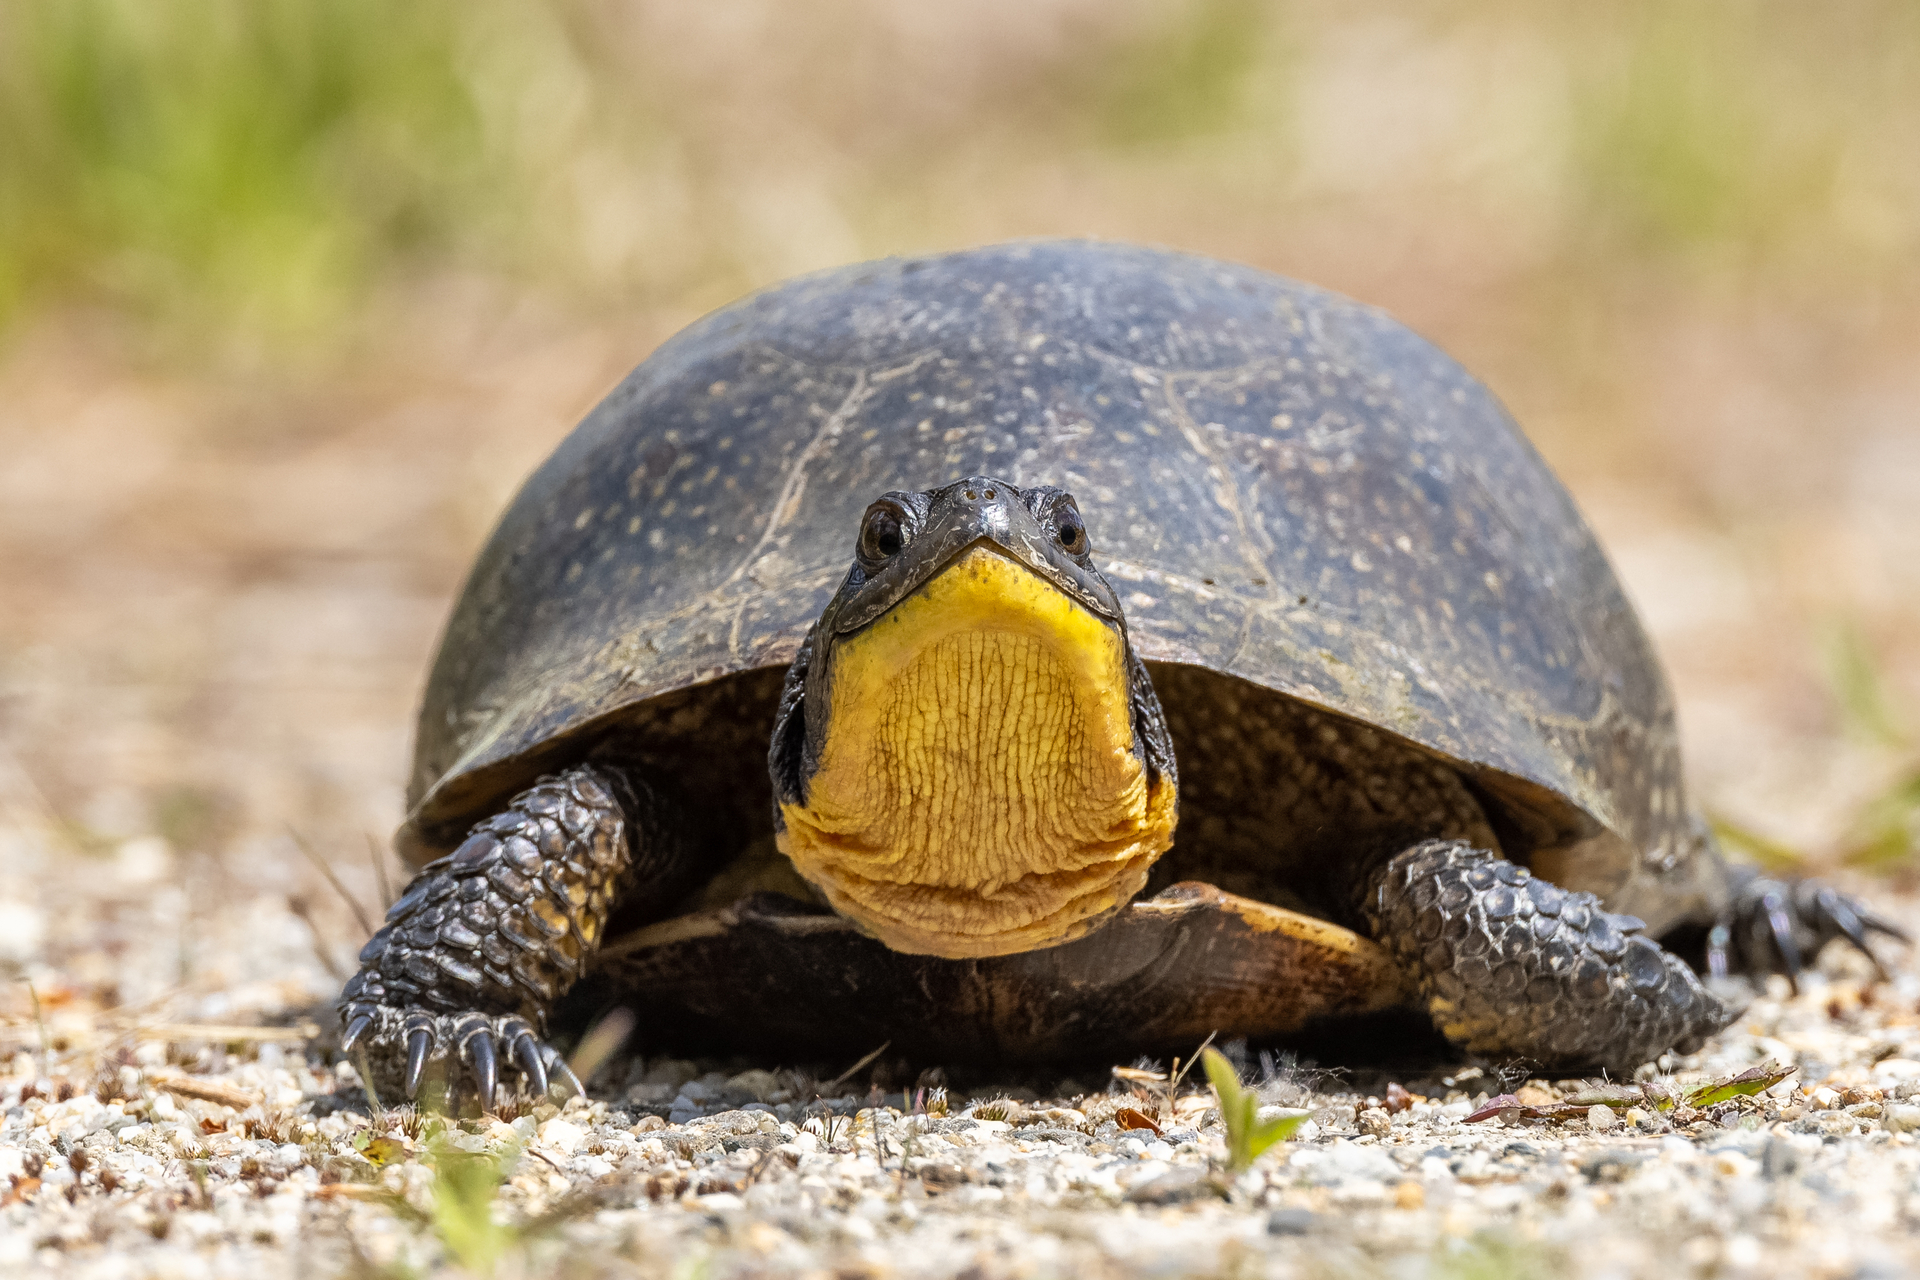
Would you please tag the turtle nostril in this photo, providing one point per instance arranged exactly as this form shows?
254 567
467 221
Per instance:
972 496
989 495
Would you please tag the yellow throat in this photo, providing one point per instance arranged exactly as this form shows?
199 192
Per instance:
978 793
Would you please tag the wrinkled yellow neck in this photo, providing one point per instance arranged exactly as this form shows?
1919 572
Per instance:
977 792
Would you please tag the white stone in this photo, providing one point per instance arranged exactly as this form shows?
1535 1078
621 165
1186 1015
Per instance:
21 928
143 861
1732 1164
1600 1118
562 1135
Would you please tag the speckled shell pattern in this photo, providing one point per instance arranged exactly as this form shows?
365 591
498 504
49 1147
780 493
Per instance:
1282 484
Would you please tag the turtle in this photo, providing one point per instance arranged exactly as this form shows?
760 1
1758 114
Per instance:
1048 650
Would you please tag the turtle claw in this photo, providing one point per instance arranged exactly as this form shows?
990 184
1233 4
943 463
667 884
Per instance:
1780 928
419 1041
1876 924
526 1051
1853 922
478 1050
558 1066
1719 943
355 1029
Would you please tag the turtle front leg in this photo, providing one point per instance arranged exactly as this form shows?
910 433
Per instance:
1779 926
1511 965
486 939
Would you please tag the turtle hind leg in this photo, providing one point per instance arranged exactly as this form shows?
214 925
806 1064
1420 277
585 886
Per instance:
1510 965
1779 926
486 939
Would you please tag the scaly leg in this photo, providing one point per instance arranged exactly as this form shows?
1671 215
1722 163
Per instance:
1779 926
1511 965
486 939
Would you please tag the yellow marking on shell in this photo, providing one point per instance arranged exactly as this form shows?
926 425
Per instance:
978 793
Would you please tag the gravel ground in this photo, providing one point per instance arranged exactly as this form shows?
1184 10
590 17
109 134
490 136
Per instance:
211 1134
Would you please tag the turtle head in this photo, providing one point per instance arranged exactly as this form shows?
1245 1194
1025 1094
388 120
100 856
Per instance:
969 759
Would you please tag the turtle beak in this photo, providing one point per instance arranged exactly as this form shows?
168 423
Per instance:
984 512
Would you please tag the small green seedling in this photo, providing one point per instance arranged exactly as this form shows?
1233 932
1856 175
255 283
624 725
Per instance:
1248 1136
464 1187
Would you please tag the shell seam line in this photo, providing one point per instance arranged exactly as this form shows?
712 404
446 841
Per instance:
1231 483
797 477
796 483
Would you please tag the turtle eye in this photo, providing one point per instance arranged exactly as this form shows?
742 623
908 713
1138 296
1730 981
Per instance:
882 534
1069 529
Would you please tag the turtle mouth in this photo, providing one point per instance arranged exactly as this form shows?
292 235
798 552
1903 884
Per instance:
978 790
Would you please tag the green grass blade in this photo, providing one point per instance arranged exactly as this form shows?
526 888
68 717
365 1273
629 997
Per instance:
1747 1083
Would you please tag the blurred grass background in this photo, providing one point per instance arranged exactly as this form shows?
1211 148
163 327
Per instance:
293 292
261 165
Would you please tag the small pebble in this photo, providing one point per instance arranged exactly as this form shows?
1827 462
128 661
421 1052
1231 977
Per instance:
1176 1186
1732 1164
1375 1122
562 1135
1290 1222
1600 1118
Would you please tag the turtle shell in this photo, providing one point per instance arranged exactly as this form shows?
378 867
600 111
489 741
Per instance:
1286 488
